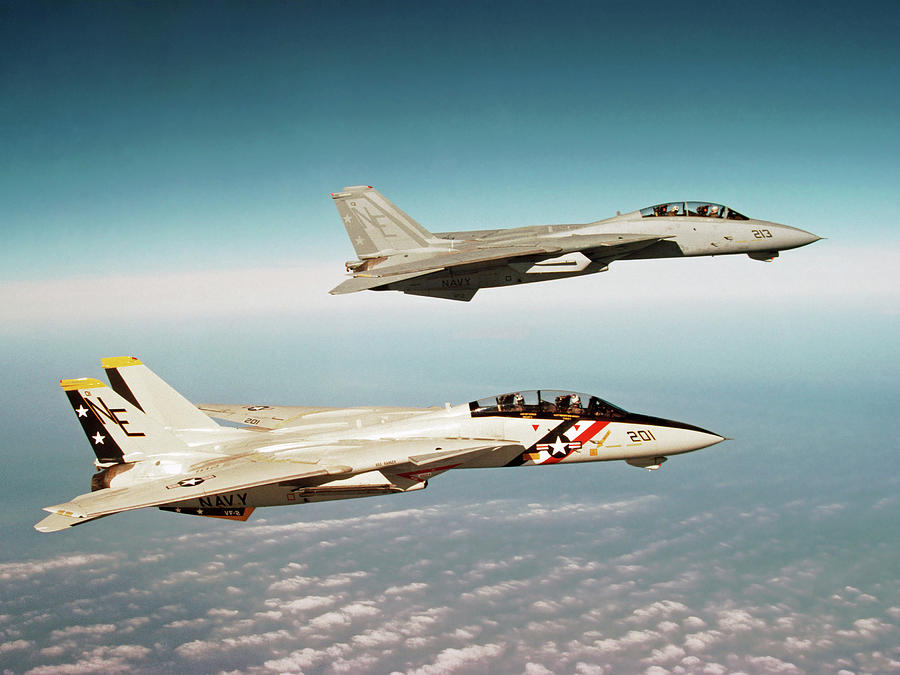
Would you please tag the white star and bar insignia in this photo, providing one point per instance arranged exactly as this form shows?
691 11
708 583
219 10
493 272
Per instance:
189 482
560 448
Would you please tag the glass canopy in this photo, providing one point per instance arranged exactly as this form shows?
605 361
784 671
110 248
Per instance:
694 209
546 403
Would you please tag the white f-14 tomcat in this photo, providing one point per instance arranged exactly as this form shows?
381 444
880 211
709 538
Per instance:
397 254
154 448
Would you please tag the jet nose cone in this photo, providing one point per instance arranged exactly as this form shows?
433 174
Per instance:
689 438
698 438
673 437
807 237
794 237
711 439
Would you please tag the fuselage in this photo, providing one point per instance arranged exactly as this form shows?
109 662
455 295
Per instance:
687 234
582 246
395 253
526 428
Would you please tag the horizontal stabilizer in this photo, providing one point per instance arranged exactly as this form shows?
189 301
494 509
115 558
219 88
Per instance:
365 283
210 478
56 522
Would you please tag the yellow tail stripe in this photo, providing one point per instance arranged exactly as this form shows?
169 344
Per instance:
81 383
119 361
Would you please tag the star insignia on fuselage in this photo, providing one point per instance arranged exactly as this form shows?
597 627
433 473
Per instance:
191 482
560 448
98 438
82 411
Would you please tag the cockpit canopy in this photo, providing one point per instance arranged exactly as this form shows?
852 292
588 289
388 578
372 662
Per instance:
546 403
695 209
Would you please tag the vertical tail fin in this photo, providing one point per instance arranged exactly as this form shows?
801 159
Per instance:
377 227
118 432
148 392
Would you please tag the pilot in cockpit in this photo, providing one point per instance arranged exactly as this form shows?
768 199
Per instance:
703 210
568 404
575 403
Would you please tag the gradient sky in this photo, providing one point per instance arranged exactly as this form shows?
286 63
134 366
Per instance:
186 136
164 176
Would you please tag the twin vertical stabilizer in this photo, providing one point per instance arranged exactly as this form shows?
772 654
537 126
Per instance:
117 431
148 392
137 417
377 227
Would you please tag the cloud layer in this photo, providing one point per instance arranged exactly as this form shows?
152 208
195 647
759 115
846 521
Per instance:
643 583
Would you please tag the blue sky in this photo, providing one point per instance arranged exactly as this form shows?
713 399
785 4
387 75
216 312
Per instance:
172 131
164 175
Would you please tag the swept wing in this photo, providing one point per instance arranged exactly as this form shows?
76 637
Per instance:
388 272
263 417
267 417
603 247
216 477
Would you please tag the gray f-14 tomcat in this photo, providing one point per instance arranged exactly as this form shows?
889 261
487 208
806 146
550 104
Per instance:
154 448
397 254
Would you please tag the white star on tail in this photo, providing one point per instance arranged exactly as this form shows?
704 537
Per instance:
82 411
98 438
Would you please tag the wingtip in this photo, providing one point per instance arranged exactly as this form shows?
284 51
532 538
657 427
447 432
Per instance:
56 522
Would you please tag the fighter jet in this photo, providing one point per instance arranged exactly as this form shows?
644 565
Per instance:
154 448
397 254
